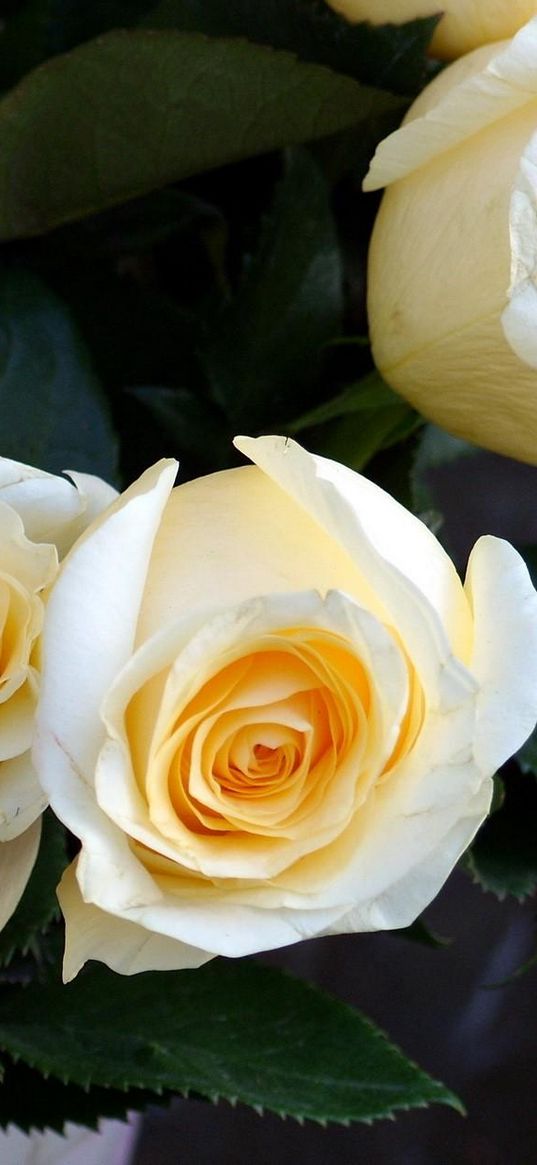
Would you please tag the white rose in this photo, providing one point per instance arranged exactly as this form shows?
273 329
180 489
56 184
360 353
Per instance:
465 24
113 1142
40 517
453 259
271 711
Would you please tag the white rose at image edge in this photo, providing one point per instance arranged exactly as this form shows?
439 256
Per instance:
40 516
452 270
111 1144
475 651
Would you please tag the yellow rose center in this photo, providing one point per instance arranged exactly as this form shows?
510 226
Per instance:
267 751
256 746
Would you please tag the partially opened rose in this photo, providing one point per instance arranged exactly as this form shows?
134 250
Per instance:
40 517
271 711
465 24
453 260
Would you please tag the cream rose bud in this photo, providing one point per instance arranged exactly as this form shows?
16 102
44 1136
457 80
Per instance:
465 24
40 516
453 259
270 710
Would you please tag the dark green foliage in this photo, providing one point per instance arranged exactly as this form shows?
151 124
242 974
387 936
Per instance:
419 932
362 420
389 56
53 412
263 352
231 1029
38 906
32 1101
132 111
503 857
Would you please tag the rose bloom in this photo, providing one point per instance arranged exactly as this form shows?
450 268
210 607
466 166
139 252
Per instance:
270 710
453 260
465 24
40 516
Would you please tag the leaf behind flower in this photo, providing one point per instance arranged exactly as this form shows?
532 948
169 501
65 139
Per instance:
233 1030
38 906
135 110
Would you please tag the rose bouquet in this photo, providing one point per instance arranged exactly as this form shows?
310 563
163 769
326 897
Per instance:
259 689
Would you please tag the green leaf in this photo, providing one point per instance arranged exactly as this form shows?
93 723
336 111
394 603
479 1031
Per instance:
390 56
231 1029
264 352
52 410
29 1101
38 906
419 932
132 111
363 419
503 858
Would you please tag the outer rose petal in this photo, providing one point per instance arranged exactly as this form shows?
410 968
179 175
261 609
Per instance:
22 797
124 946
40 516
504 656
390 547
401 903
17 858
89 636
52 511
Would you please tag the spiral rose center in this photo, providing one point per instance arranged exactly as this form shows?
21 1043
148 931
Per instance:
254 747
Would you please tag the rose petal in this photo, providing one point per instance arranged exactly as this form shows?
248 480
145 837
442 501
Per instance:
88 638
17 724
504 657
17 859
506 81
124 946
22 797
195 656
33 566
396 552
520 316
240 538
403 901
170 932
51 509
